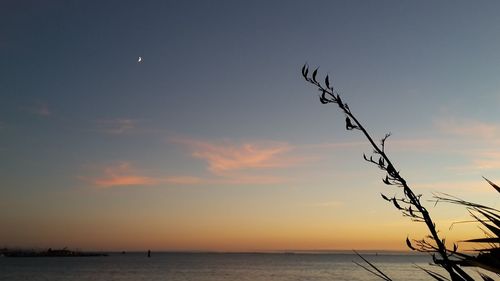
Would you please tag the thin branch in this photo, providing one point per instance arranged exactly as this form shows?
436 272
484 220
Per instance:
393 177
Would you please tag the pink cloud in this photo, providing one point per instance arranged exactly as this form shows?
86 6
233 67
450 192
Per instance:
479 142
224 157
478 185
486 160
244 163
121 174
478 157
467 128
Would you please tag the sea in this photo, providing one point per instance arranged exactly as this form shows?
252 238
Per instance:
215 267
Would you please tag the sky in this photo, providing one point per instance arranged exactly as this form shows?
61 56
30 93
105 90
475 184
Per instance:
214 142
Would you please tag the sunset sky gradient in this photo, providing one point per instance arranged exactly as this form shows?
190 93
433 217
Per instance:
214 142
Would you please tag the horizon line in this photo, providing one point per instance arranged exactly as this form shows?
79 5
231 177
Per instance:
281 251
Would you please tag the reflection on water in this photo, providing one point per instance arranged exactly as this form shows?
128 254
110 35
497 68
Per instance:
210 267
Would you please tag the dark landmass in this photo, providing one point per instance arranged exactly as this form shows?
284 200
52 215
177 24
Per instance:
15 253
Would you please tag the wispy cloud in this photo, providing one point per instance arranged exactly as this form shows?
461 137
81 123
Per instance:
414 144
117 126
478 185
476 140
228 157
467 128
482 159
487 160
328 204
392 143
233 163
120 174
260 162
124 174
336 145
244 179
234 179
184 180
40 108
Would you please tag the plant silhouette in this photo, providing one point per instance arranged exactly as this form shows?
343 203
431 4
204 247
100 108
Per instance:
411 206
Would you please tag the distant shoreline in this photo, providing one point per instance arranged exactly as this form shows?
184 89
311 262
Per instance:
19 252
296 253
23 253
300 252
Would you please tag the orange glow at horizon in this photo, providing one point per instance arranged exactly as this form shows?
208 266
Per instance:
231 236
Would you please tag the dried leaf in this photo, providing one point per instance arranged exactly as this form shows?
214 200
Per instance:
323 99
408 243
386 180
396 204
381 162
315 72
348 124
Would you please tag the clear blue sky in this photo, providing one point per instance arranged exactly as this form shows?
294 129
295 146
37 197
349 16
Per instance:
215 142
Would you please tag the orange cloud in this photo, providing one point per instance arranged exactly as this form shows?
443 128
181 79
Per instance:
229 157
121 175
241 163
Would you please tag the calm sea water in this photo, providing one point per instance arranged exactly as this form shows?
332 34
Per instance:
211 267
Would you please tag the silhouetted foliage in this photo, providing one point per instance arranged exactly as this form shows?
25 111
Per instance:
411 206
